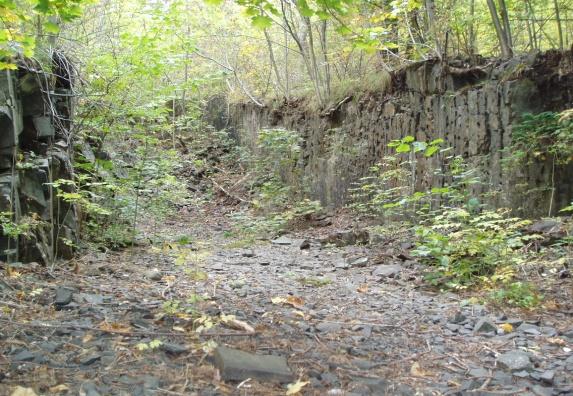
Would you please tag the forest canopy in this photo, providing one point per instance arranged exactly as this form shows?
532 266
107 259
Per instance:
258 49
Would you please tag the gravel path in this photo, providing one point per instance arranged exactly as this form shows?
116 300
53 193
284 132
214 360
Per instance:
168 318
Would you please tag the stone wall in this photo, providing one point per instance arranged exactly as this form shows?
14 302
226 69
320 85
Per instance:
473 107
35 120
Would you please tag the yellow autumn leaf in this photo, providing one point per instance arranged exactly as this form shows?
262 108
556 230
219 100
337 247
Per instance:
362 288
506 327
296 302
12 273
293 389
59 388
417 371
21 391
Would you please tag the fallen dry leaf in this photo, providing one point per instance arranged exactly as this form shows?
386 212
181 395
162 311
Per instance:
296 302
362 288
417 371
117 327
293 389
59 388
234 323
556 341
21 391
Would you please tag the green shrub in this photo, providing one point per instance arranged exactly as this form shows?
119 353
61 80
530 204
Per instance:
464 250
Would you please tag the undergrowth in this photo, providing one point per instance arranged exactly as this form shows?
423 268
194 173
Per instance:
465 244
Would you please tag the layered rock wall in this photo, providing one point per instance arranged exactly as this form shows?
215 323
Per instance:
472 107
35 120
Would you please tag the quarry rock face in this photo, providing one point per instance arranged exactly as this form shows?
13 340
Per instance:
35 119
473 107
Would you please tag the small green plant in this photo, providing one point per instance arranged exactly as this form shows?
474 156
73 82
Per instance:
149 346
391 188
24 227
519 294
463 250
314 282
546 136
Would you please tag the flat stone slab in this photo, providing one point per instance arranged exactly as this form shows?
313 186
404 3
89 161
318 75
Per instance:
387 270
64 296
237 365
282 241
514 361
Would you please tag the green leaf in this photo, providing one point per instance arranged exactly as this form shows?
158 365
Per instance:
261 22
343 30
51 28
214 2
7 66
304 9
408 139
43 6
403 148
431 150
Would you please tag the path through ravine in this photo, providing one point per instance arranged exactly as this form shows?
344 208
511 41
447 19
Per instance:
206 316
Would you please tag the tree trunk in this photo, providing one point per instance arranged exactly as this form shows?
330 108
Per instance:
273 62
559 27
324 47
506 51
505 19
471 30
431 12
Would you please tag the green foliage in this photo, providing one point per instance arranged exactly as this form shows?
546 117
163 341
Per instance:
22 21
465 250
543 135
410 144
390 189
521 294
151 345
24 227
314 282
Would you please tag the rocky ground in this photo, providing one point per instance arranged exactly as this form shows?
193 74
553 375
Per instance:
205 315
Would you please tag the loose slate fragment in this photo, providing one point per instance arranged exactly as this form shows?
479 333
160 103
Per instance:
63 296
484 326
514 361
283 240
174 349
237 365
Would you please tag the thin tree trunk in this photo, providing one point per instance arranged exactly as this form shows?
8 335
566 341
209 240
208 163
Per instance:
323 45
505 19
559 27
303 51
315 69
287 80
531 14
471 31
505 48
273 62
431 12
